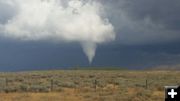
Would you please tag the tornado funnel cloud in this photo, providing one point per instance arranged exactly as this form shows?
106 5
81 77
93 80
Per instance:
57 20
90 50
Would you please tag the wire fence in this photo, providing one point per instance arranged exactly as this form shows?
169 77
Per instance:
52 85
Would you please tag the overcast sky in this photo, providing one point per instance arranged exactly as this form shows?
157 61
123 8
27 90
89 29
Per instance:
51 34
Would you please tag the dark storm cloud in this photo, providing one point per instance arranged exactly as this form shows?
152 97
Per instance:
145 21
147 34
165 12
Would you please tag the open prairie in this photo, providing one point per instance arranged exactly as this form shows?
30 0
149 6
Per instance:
86 85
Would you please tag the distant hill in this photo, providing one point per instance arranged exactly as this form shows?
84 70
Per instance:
98 68
166 67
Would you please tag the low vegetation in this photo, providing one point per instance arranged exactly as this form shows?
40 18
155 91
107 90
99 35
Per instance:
86 85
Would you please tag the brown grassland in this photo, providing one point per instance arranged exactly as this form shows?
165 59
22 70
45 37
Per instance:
86 85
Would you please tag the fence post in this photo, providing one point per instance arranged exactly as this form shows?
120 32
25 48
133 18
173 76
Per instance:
146 84
52 85
6 82
95 85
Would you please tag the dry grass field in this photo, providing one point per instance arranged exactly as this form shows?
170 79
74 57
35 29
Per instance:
86 85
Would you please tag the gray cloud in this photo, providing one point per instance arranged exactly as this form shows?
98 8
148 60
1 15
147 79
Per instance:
135 22
145 21
6 12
